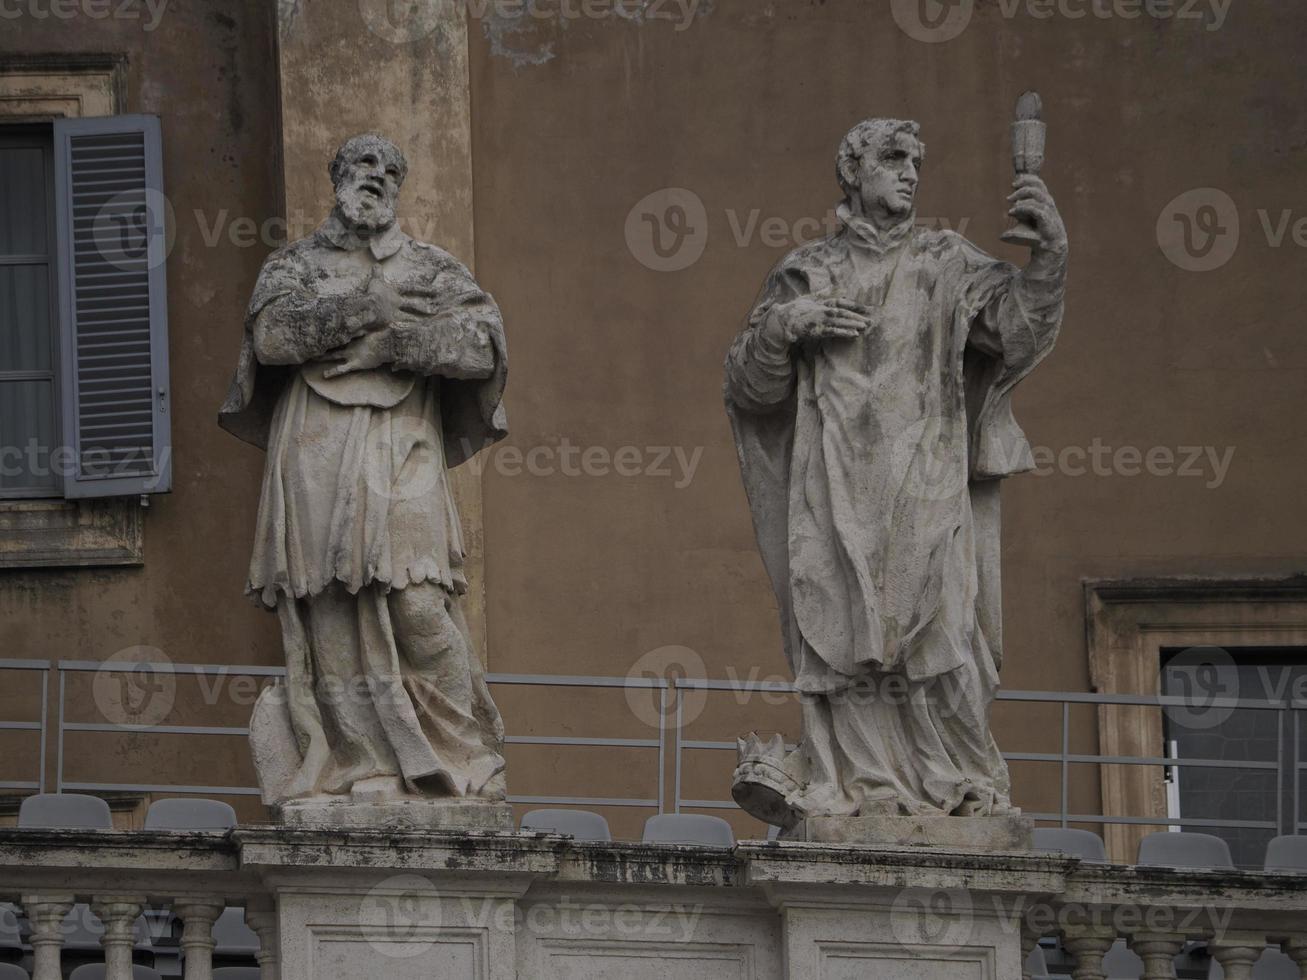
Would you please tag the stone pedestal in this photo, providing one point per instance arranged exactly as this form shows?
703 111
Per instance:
1008 834
413 814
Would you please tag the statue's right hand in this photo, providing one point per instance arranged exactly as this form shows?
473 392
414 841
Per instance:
366 312
807 320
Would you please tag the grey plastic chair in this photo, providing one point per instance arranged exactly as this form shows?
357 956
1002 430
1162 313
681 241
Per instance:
231 936
95 971
581 824
64 811
1166 849
1122 963
183 814
1036 965
9 971
236 973
1288 853
688 828
1084 844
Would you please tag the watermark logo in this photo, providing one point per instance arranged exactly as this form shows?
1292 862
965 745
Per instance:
667 230
932 21
1199 230
151 11
134 688
653 705
1207 680
405 21
125 226
928 459
940 918
401 916
402 458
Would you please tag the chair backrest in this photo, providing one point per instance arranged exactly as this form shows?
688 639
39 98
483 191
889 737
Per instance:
65 811
95 971
1122 963
1167 849
237 973
1288 853
11 971
1084 844
1036 965
688 828
581 824
231 936
184 814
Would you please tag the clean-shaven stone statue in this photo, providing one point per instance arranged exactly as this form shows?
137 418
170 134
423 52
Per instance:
371 363
869 397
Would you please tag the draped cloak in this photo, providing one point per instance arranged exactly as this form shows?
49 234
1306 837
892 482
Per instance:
979 324
356 503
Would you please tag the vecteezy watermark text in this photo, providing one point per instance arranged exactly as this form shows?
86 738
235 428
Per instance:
936 21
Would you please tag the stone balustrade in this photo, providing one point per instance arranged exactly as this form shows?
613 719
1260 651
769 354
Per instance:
500 906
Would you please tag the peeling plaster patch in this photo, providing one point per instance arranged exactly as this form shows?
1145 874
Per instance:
502 28
287 11
496 27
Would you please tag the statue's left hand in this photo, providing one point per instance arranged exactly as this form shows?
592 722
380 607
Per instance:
1031 202
361 354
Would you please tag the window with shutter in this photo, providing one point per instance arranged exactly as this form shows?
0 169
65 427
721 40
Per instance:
110 216
28 354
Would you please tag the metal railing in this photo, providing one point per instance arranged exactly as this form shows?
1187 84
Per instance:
1064 757
671 729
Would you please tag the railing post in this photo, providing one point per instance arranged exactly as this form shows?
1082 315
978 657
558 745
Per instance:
198 916
1158 950
1237 952
118 915
1088 944
261 916
46 913
1295 947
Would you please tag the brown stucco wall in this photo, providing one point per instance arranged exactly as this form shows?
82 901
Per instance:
208 69
745 107
571 126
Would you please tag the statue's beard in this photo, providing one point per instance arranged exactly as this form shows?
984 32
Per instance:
364 211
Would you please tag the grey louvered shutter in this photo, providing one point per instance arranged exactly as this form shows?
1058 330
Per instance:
110 217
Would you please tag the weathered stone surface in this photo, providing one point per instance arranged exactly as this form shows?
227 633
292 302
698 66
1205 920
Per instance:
371 365
349 813
869 396
1007 833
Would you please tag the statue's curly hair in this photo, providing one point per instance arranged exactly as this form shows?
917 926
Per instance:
356 144
869 134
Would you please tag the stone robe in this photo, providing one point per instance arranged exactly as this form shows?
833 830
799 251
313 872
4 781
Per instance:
358 544
872 467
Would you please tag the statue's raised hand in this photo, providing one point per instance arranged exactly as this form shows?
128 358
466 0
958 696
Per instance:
807 320
1032 203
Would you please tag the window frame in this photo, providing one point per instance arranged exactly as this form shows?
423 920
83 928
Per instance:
44 132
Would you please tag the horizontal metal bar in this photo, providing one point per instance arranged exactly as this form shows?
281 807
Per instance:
563 680
703 684
1160 821
24 665
711 804
698 743
164 667
637 743
7 784
1051 697
583 801
1138 760
77 726
20 726
151 788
